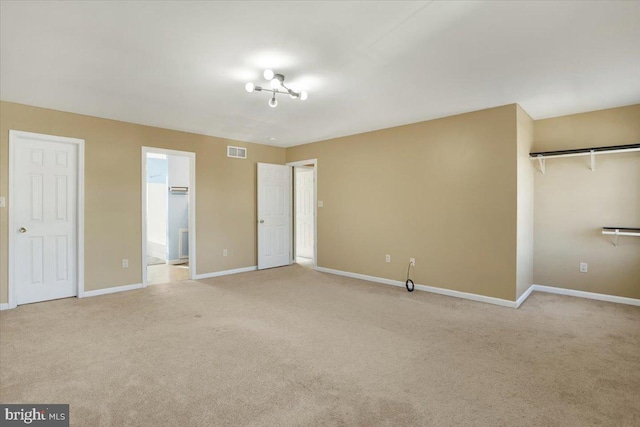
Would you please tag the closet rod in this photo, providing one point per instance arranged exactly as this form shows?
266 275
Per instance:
586 151
621 228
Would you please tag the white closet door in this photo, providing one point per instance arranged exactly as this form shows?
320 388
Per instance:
45 198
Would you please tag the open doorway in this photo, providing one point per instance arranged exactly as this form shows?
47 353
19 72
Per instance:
304 212
168 211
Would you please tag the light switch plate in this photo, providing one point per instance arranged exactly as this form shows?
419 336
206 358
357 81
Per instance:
2 202
320 204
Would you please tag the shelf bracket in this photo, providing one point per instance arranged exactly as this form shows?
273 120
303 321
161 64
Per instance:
542 165
615 232
593 160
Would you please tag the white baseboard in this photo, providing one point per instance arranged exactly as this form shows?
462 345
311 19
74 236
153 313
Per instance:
432 289
225 272
589 295
486 299
113 290
525 295
4 306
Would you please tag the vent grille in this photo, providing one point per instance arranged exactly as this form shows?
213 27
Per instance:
236 152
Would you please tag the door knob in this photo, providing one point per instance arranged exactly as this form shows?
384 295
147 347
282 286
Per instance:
22 230
262 221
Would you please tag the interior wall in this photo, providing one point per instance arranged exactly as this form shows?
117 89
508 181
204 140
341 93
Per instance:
157 207
226 192
157 220
525 234
454 193
442 191
177 205
572 204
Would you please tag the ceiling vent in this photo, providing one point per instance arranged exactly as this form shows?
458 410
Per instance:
236 152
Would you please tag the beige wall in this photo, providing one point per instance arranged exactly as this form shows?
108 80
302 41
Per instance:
524 275
572 203
226 192
442 191
458 194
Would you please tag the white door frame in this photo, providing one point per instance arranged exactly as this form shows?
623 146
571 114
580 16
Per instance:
300 163
14 139
192 207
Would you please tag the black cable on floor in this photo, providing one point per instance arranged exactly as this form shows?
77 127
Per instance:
406 284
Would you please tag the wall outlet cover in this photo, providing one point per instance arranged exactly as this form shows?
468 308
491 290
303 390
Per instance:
583 267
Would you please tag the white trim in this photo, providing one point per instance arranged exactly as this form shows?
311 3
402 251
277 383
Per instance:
80 219
432 289
313 162
4 306
226 272
115 289
192 207
588 295
524 296
14 136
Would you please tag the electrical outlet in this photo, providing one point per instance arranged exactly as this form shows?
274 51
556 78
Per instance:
125 263
225 252
320 204
2 202
583 267
412 261
387 258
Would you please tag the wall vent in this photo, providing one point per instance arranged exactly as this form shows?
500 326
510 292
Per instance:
236 152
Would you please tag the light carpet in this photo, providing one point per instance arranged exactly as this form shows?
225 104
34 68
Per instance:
292 346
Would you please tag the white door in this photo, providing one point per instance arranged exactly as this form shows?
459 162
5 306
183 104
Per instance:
304 212
45 219
274 215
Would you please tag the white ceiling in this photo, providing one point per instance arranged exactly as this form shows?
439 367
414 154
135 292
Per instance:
365 65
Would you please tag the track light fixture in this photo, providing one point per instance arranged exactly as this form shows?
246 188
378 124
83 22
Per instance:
276 81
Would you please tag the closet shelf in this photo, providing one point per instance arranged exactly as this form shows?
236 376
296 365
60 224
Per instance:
541 156
620 231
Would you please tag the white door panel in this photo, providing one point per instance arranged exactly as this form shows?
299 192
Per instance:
304 212
274 215
45 219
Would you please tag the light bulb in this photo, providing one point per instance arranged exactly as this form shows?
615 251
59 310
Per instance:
273 102
303 95
293 95
250 87
268 74
275 83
